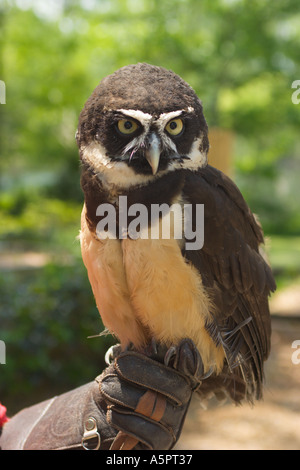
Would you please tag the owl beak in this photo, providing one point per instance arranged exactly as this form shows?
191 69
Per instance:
152 152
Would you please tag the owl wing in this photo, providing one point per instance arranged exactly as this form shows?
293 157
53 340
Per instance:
237 278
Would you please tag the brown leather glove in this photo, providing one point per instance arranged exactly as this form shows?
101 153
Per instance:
136 403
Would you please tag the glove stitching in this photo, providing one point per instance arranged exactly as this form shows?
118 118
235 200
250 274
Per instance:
120 428
175 400
163 427
114 401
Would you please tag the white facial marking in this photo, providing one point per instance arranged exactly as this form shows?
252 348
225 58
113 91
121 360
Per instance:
133 144
117 174
167 142
166 117
195 155
144 118
197 159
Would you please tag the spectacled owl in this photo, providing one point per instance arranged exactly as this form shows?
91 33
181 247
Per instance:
142 135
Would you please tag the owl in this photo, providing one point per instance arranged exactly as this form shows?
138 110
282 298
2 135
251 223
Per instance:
143 140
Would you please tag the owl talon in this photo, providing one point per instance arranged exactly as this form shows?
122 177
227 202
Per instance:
154 345
151 349
172 352
208 374
112 353
186 359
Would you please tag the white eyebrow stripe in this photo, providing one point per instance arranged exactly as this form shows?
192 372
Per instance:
173 114
136 114
165 117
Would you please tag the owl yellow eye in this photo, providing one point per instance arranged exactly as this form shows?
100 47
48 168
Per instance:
127 126
174 127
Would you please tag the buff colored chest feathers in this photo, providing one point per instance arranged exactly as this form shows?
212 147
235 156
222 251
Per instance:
144 288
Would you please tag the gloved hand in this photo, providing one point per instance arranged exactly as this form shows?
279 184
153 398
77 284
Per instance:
136 403
148 400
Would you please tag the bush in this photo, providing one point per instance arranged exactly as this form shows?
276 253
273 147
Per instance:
46 316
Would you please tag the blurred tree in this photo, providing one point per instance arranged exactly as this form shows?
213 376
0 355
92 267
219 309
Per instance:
241 58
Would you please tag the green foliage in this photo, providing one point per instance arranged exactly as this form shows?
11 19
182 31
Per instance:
284 256
46 316
241 57
39 222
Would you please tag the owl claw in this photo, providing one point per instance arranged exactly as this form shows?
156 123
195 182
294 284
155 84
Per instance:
208 374
185 358
169 354
111 353
154 345
151 349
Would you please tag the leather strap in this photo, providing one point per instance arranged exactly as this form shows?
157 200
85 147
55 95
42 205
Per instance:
152 405
123 442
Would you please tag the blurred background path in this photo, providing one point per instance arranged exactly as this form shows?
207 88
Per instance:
273 424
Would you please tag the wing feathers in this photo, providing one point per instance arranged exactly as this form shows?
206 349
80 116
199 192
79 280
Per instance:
238 280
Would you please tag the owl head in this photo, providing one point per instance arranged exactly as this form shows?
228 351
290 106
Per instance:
141 122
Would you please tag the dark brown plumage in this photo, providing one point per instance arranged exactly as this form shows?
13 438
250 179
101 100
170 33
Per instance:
238 279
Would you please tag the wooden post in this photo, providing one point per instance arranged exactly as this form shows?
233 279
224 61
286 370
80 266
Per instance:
221 150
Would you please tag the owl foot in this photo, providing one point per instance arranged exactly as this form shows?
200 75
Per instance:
185 358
